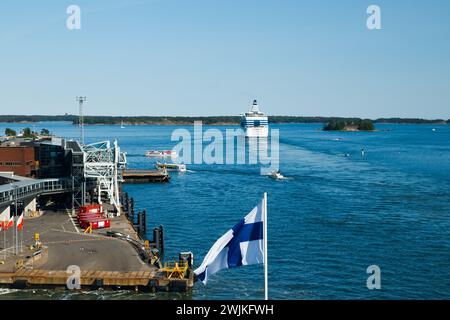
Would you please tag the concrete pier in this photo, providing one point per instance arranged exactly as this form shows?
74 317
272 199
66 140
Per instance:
103 261
145 176
51 242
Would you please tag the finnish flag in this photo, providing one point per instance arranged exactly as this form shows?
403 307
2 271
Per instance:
242 245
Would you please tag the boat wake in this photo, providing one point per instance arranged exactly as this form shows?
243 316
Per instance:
291 143
221 170
135 155
276 175
284 178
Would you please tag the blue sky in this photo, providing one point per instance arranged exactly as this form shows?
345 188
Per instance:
213 57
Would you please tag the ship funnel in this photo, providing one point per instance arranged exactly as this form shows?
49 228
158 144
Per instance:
255 107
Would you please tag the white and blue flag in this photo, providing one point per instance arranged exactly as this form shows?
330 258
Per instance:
242 245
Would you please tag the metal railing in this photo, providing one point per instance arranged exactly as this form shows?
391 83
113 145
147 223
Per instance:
32 188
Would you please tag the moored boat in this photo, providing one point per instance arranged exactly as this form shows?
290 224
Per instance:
171 166
161 153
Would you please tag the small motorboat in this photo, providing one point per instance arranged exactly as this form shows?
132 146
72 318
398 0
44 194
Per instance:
276 175
162 153
171 166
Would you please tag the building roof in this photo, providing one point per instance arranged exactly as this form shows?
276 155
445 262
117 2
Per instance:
74 145
11 176
14 142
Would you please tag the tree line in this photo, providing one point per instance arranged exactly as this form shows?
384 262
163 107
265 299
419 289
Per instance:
206 120
26 133
358 124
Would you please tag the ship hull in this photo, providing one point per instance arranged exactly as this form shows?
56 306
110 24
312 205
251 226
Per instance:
255 132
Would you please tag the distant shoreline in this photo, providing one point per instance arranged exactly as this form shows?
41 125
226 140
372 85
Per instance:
209 120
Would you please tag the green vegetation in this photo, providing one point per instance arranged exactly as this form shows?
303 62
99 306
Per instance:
158 120
349 125
36 118
213 120
366 125
335 125
45 132
27 133
412 120
10 132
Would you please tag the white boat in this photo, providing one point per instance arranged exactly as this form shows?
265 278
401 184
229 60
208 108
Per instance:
121 125
171 166
161 153
276 175
255 123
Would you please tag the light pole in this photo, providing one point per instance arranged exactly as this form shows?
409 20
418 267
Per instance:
15 234
81 100
4 240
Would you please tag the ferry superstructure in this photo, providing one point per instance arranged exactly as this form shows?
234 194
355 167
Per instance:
255 123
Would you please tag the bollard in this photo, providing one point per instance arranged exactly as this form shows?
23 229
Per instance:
144 221
136 227
156 239
161 239
132 210
139 220
142 224
126 202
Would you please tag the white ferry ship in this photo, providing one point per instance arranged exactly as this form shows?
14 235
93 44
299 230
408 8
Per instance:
255 123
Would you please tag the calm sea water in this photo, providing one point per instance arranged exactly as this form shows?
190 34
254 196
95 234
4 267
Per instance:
335 216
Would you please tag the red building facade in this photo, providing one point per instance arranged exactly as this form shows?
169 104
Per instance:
20 160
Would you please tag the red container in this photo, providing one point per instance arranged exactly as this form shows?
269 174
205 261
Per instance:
85 216
92 208
90 214
97 223
87 219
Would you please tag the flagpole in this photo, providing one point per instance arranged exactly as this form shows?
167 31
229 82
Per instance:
19 235
266 284
14 221
16 233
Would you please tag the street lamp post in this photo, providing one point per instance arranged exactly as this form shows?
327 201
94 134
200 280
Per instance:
15 221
